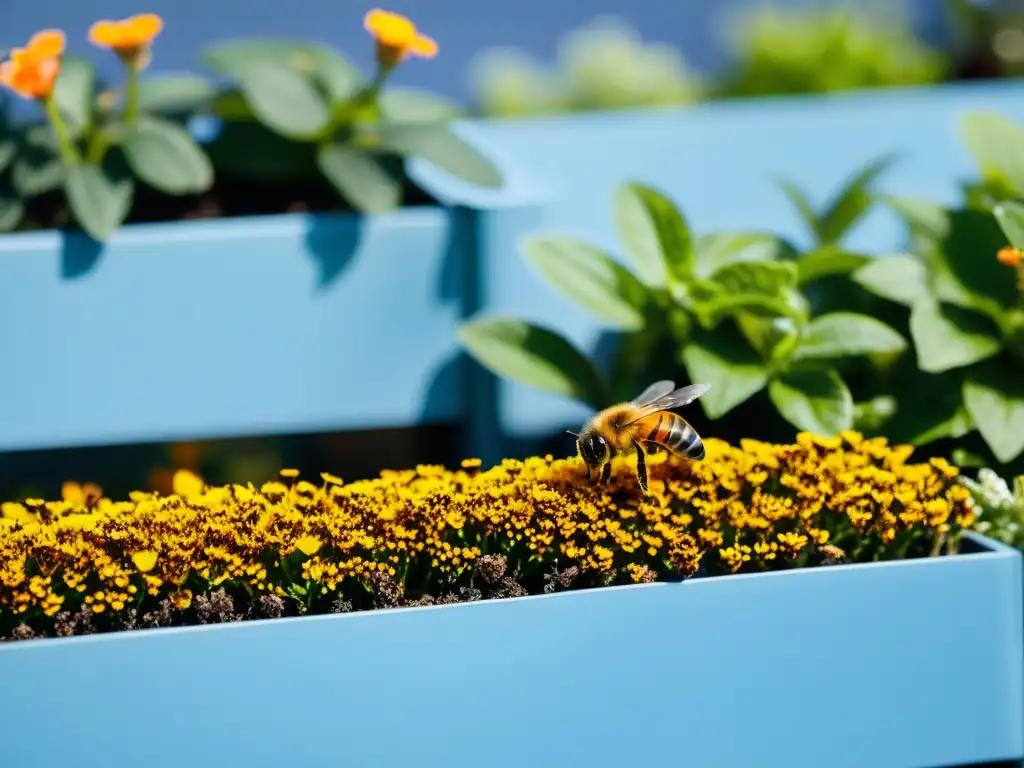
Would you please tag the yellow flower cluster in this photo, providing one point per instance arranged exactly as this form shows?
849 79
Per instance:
753 507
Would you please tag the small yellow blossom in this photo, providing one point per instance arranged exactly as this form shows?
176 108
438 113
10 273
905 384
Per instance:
187 484
289 473
308 545
145 560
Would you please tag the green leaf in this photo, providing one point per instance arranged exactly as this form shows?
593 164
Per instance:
929 407
813 400
994 397
12 211
36 172
1010 216
360 179
654 233
74 92
997 146
828 260
248 150
924 218
717 249
591 278
164 155
283 100
534 356
763 288
802 205
948 337
440 147
734 371
339 78
851 203
846 334
98 204
968 255
175 93
901 278
8 151
411 106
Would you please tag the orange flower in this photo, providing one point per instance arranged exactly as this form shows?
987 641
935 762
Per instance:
128 37
32 71
1010 257
397 38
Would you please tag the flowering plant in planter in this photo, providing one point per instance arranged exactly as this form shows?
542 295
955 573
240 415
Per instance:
430 535
299 119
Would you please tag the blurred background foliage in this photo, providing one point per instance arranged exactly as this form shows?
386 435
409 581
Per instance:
773 50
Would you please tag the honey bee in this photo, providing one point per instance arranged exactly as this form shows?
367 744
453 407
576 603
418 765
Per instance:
643 424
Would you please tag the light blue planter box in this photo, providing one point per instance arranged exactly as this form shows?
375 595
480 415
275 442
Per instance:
912 664
717 161
240 326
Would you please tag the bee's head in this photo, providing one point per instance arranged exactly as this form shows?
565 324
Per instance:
593 449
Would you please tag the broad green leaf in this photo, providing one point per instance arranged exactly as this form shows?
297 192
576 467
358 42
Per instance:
34 173
1010 216
929 407
813 400
436 144
338 76
717 249
828 260
591 278
872 415
164 155
924 218
408 105
12 211
360 179
802 205
8 151
762 288
654 233
948 337
732 368
283 100
766 334
901 278
997 146
968 252
994 396
175 93
98 204
846 334
74 91
533 355
851 203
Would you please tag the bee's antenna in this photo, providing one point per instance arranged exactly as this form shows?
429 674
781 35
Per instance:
572 433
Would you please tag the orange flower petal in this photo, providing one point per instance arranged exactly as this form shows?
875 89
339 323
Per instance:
423 46
142 29
47 44
106 34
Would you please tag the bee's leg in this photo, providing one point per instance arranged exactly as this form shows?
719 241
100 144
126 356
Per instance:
606 473
641 466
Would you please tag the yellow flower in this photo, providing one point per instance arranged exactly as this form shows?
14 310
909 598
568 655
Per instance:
182 599
187 484
331 479
308 545
145 561
397 38
289 473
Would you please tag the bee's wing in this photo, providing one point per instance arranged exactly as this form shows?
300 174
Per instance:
655 392
671 400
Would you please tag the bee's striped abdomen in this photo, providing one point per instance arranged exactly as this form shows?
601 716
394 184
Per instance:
673 432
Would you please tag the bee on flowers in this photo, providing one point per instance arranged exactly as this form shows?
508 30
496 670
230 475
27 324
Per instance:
644 424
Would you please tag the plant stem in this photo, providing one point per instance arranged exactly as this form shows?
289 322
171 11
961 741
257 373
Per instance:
131 97
97 147
64 144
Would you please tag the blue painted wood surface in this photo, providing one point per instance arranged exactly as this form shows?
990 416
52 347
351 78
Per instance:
230 328
895 665
717 162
